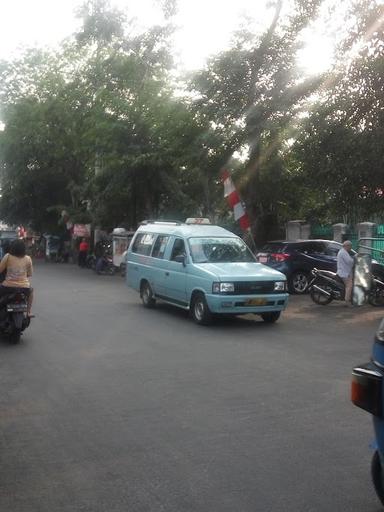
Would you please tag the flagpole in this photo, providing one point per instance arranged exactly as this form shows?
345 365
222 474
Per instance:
234 201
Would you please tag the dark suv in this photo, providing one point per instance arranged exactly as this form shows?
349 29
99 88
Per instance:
296 259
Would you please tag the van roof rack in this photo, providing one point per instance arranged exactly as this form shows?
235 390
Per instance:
166 222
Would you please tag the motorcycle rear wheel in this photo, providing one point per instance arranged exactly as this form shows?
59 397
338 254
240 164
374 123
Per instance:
320 298
15 336
376 298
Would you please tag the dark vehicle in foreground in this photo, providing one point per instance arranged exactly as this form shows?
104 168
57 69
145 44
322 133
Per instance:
13 315
367 393
296 259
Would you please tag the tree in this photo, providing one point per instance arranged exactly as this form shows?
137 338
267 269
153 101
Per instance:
340 147
99 126
250 94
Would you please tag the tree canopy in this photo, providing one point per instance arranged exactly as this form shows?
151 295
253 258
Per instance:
102 127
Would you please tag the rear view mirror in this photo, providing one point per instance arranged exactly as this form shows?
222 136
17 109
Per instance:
362 279
180 258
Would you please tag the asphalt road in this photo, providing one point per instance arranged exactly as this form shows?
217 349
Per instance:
106 406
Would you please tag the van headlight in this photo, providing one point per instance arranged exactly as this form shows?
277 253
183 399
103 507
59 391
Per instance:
223 287
279 286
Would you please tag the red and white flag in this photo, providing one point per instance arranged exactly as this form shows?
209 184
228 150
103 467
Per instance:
234 201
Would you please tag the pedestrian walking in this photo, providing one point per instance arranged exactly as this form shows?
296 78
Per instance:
345 263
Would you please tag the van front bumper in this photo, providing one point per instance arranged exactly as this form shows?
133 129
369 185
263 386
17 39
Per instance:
242 304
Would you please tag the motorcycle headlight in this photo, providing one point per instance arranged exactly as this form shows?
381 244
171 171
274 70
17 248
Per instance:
223 287
279 286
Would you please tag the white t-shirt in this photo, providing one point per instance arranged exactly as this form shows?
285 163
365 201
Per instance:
344 263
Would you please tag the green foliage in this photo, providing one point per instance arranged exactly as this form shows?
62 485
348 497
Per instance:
97 128
96 124
251 95
340 145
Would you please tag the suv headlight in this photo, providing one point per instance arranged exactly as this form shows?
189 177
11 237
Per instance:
279 286
223 287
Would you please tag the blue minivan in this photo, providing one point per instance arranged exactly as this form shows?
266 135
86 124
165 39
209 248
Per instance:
202 268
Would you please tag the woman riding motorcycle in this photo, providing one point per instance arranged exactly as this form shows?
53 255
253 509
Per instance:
18 268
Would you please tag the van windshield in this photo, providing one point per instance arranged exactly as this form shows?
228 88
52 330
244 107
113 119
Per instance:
223 250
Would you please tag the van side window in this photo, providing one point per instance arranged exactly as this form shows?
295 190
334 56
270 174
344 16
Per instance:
178 248
143 243
159 247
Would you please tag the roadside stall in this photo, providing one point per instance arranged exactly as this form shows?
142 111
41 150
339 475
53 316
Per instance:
121 239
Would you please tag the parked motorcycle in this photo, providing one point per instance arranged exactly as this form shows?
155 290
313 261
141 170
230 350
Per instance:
327 286
13 315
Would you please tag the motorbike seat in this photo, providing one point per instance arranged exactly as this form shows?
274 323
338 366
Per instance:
327 273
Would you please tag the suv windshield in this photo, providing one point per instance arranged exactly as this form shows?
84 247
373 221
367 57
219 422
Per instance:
214 250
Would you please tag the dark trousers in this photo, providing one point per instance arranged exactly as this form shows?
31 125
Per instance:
82 258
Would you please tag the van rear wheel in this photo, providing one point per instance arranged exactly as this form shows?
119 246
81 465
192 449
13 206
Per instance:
200 310
147 295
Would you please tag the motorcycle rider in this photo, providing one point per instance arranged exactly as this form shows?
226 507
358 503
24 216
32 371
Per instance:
18 268
345 264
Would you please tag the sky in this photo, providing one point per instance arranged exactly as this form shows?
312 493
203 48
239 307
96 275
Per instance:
204 27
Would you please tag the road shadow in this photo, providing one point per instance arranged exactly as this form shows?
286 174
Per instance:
303 308
227 321
6 344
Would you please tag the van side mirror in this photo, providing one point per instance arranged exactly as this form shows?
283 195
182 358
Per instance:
362 279
181 258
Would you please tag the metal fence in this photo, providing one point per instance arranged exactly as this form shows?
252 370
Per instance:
378 244
324 232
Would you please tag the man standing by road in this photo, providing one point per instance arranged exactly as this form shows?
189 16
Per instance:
345 269
83 251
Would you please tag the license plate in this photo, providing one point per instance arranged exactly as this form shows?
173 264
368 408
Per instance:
17 308
263 259
256 302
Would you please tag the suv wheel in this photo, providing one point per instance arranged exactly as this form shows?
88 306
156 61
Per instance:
200 310
298 282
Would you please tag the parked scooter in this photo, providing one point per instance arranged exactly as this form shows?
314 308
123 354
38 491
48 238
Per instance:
13 315
104 265
367 393
327 286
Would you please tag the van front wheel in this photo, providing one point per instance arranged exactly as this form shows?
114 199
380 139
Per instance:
271 318
147 295
200 310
